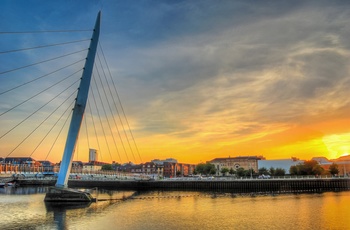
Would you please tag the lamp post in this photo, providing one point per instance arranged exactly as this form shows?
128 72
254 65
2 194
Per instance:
251 170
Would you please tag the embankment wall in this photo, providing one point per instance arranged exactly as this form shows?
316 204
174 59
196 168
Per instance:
238 186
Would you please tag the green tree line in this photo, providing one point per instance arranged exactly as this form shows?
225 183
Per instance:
312 167
307 168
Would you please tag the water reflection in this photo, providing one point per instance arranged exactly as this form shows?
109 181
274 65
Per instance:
23 190
24 208
59 211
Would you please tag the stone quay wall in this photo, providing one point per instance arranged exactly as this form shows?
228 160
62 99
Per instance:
235 186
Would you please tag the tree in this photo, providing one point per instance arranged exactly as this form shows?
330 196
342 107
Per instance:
241 172
294 170
264 171
205 169
232 171
200 168
212 171
272 171
311 168
224 171
107 167
333 169
249 172
280 172
307 168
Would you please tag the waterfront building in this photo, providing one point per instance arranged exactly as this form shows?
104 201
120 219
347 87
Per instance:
149 168
158 168
171 168
343 163
93 155
129 167
24 164
282 164
20 161
47 166
246 162
321 160
93 166
183 169
170 160
133 169
77 167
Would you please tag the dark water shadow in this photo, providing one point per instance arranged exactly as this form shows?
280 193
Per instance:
60 209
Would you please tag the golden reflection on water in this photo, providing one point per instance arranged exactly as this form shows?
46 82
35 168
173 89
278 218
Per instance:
306 211
184 210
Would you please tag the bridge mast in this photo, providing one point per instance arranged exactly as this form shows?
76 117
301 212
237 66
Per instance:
79 108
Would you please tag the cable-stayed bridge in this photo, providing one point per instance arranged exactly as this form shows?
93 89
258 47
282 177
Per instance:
40 76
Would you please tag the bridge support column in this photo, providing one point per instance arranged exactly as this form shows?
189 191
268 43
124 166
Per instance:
67 195
61 193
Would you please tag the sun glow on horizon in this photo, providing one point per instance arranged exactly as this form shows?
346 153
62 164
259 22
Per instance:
337 145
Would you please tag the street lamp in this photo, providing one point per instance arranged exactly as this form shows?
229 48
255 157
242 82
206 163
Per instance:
251 171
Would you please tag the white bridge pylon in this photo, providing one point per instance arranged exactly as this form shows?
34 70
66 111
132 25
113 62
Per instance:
79 109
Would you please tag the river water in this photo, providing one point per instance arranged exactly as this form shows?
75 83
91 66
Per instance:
24 208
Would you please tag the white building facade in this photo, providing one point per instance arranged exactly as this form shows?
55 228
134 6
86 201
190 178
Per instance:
93 155
282 164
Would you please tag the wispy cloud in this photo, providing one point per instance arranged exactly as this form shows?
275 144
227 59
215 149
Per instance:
209 77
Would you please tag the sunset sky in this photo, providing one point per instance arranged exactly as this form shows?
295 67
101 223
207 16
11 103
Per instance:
206 79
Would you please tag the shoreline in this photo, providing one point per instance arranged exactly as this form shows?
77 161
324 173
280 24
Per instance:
239 186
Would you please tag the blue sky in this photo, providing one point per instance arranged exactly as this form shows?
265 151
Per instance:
206 79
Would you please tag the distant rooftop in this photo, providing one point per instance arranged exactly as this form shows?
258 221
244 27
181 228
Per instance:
160 162
343 158
238 158
321 160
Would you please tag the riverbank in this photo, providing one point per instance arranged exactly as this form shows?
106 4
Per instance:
239 186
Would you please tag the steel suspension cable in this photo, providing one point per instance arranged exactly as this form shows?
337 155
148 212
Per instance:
36 111
86 130
104 133
43 46
121 122
94 126
40 123
76 153
37 63
109 109
43 31
28 82
127 122
38 94
59 133
70 106
93 123
99 117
